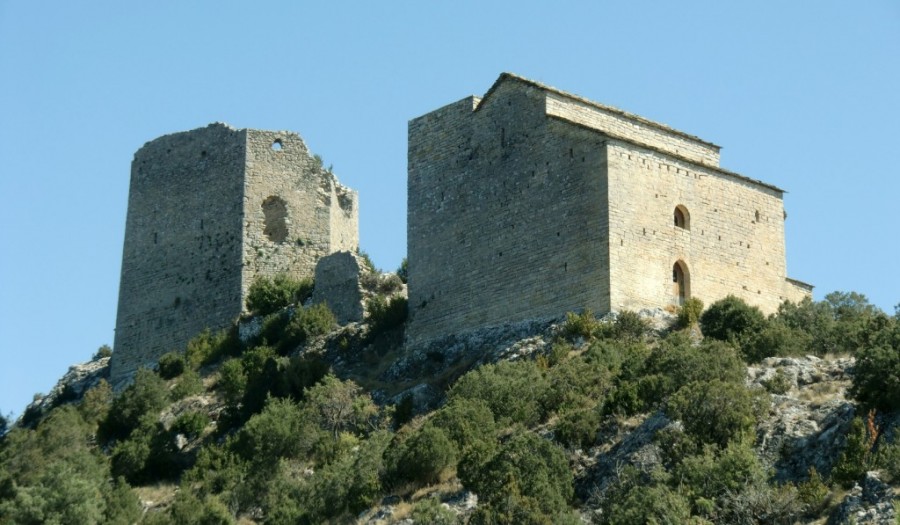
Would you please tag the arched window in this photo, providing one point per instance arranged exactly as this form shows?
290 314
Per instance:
681 282
682 218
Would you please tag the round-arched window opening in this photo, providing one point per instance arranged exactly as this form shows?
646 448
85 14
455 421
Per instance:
277 145
275 217
682 218
681 282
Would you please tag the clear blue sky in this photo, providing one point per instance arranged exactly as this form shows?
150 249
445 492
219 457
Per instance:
804 95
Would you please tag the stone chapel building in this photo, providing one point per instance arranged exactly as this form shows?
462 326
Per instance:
530 202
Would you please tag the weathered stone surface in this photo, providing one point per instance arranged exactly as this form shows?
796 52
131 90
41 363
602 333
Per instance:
338 285
871 503
807 424
71 387
532 202
209 211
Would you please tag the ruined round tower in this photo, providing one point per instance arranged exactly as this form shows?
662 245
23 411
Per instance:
209 211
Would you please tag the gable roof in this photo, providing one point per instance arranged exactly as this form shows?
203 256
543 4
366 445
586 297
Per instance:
505 77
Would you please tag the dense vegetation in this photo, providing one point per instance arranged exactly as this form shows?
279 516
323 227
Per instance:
270 434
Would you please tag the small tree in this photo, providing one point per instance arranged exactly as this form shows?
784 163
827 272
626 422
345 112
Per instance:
103 351
268 294
403 270
730 319
170 365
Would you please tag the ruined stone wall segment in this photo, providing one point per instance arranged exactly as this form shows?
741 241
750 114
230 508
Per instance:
287 207
734 243
182 251
505 215
637 130
337 285
344 219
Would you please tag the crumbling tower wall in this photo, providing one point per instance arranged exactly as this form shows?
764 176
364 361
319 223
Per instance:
209 211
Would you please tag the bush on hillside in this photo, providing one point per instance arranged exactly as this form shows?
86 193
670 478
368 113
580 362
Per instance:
717 412
146 396
731 319
306 324
514 391
689 313
170 365
385 315
269 294
209 347
528 466
876 376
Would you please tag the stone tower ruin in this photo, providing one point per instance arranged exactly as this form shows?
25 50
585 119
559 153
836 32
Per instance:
530 202
209 211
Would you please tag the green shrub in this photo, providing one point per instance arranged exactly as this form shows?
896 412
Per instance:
525 465
95 403
639 504
385 315
813 492
778 504
188 509
514 391
842 323
403 271
426 455
281 430
430 510
857 457
630 326
122 504
888 459
578 428
341 406
269 294
466 422
308 323
147 395
580 325
876 376
689 312
190 424
716 411
129 458
103 351
209 347
190 384
232 381
730 319
775 338
778 383
717 471
170 365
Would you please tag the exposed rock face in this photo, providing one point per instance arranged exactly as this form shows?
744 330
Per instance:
870 503
338 286
72 386
810 414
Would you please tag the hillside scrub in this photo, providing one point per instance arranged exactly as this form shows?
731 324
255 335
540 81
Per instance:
277 436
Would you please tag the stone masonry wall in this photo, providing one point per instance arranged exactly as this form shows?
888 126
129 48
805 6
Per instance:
499 214
209 211
734 242
636 129
295 211
182 251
